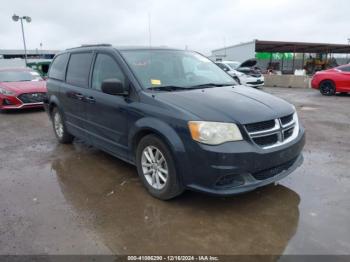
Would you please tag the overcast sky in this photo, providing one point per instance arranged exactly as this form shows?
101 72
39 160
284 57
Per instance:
202 25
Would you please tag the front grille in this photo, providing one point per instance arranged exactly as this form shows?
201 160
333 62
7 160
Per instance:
271 172
254 74
32 98
256 82
266 140
286 119
272 132
229 181
260 126
288 133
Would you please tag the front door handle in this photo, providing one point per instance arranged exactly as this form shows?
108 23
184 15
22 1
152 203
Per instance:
90 99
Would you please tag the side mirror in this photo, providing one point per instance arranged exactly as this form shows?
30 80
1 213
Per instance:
226 69
113 87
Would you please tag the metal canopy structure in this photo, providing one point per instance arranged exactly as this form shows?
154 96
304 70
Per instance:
300 47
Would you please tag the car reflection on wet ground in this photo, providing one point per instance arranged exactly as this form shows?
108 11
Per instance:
75 199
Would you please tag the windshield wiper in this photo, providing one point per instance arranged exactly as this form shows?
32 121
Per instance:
174 88
168 88
209 85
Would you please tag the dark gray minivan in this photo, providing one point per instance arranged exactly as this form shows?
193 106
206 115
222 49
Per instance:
184 122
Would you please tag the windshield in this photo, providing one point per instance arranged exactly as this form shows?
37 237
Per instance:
19 76
232 65
182 69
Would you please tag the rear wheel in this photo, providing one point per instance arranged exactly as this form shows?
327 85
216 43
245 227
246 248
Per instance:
63 136
156 168
327 88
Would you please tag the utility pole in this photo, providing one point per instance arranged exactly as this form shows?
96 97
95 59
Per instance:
28 19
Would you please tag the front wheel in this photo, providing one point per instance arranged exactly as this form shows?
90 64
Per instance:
156 168
63 136
327 88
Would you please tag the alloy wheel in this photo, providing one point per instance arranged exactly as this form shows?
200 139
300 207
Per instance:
58 125
154 167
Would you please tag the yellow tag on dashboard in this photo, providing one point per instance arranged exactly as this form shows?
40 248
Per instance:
155 82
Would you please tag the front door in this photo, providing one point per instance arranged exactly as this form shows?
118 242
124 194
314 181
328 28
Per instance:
107 114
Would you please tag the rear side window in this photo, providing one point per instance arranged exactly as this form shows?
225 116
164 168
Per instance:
58 67
78 69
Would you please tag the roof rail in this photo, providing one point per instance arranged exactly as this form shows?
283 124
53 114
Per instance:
96 45
89 46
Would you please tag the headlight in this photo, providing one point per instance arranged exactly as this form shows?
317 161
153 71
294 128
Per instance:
214 133
6 92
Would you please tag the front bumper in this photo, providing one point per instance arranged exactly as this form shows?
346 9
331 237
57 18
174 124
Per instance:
13 103
253 81
249 166
314 83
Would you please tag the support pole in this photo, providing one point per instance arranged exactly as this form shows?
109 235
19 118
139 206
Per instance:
24 43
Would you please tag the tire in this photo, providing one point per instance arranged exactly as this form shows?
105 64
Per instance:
166 185
327 88
59 127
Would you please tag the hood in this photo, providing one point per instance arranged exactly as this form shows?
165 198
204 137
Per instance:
238 104
249 63
25 86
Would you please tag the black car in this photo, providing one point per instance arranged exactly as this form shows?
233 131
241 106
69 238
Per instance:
176 115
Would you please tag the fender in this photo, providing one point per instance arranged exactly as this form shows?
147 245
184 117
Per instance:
53 100
165 131
159 127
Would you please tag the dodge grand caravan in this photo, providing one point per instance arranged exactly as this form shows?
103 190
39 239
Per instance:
174 114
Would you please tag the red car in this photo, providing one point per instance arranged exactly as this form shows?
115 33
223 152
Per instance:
332 80
21 88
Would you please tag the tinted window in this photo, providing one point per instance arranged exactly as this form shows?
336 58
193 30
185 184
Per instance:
58 67
345 68
105 68
78 69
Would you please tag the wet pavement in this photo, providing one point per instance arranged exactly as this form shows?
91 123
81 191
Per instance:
75 199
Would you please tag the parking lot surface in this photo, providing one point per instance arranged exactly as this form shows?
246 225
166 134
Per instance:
75 199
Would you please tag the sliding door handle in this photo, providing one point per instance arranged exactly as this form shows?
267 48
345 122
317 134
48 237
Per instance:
90 99
79 96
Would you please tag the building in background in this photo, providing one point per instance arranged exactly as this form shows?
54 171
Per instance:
31 54
286 57
15 57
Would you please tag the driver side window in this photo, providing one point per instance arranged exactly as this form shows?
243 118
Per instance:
105 68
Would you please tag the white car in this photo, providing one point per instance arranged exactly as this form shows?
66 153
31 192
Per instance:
243 72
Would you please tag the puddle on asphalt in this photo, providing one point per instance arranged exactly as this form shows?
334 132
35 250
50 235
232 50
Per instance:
131 221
